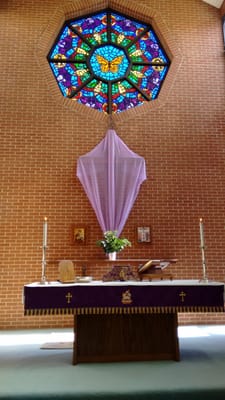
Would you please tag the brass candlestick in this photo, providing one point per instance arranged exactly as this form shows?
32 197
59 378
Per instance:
202 247
204 278
43 266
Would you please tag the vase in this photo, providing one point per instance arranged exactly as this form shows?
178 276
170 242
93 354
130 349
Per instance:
112 256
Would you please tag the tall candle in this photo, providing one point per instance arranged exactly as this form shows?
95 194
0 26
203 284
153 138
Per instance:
201 233
45 232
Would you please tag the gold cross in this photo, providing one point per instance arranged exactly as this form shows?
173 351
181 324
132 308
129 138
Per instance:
69 297
182 295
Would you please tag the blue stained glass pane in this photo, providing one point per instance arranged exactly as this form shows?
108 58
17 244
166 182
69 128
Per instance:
109 62
70 46
69 76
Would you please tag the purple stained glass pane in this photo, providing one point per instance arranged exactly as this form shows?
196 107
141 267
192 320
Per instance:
124 30
148 49
92 28
93 95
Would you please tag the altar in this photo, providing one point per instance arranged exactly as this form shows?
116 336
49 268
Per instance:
118 321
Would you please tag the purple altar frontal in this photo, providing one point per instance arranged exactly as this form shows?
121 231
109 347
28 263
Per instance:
126 297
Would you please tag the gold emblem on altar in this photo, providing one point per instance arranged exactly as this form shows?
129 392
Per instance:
126 297
182 296
69 297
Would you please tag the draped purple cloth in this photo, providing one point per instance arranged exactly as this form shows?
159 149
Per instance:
111 175
197 297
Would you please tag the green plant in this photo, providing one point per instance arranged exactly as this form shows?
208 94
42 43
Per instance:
111 242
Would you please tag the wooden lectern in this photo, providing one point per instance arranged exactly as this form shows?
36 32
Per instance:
155 269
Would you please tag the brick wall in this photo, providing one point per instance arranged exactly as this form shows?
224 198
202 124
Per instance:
180 135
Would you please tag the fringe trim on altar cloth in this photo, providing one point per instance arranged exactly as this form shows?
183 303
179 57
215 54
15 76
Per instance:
123 310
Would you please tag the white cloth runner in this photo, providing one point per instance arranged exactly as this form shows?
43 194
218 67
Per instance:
174 282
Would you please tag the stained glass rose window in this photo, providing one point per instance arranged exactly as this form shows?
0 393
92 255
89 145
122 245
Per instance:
108 61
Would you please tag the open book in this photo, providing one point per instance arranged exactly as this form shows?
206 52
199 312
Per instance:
155 265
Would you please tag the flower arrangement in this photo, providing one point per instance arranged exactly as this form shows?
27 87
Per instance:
112 243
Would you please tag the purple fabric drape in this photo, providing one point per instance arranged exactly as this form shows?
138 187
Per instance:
111 175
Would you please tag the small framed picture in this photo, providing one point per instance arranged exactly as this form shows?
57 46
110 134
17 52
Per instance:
144 234
79 234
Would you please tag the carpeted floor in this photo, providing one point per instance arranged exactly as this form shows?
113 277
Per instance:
29 372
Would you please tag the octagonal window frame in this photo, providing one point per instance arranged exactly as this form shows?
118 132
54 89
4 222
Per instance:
109 106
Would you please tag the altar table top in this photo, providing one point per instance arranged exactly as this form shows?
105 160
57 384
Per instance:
97 297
